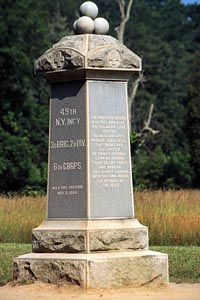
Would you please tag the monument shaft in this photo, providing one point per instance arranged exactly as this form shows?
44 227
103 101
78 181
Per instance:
89 161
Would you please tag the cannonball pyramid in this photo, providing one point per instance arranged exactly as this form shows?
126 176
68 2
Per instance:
88 21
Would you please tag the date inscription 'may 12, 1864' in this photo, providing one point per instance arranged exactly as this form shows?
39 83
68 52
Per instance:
89 163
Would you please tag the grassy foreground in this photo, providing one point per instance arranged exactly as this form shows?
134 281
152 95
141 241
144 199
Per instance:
172 217
184 262
18 216
7 252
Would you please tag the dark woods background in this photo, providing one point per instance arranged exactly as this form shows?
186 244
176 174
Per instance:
165 33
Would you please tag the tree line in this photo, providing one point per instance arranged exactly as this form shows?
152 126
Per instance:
165 33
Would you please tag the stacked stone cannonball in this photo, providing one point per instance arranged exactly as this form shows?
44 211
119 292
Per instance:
88 22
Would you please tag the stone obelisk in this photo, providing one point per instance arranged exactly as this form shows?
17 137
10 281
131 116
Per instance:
90 236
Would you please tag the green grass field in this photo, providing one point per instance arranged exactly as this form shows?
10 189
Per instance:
7 252
171 216
184 262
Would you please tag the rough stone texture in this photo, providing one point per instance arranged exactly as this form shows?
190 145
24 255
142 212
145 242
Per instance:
50 270
125 239
92 236
59 59
59 241
113 57
74 42
98 240
104 270
131 270
87 51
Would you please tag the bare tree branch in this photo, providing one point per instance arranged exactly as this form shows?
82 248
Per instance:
125 16
132 94
147 123
122 8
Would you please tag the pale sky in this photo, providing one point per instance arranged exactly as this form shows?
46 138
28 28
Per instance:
191 1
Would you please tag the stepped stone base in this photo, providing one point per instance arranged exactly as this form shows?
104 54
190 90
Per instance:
92 254
97 270
89 236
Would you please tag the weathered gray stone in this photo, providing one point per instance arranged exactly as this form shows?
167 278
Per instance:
90 173
87 51
90 196
50 270
67 152
133 269
110 173
59 59
59 241
125 239
97 240
89 236
99 271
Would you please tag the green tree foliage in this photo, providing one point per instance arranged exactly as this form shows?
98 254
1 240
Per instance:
193 121
165 33
27 29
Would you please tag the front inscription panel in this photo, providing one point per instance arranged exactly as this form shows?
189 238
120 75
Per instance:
110 168
67 152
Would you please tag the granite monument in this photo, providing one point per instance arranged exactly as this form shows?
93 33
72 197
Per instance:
90 236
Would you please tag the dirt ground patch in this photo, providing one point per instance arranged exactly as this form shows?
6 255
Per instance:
41 291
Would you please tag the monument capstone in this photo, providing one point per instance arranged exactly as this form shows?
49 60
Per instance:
90 236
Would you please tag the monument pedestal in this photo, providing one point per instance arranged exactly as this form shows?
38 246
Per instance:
95 254
90 237
97 270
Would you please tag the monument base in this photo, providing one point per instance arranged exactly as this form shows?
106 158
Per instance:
98 270
89 236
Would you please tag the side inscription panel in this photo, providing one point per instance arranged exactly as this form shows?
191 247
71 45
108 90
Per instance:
67 152
110 165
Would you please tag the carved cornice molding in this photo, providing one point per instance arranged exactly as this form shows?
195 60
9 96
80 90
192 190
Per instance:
88 51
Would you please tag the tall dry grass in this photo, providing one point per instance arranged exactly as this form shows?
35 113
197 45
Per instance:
18 216
173 217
